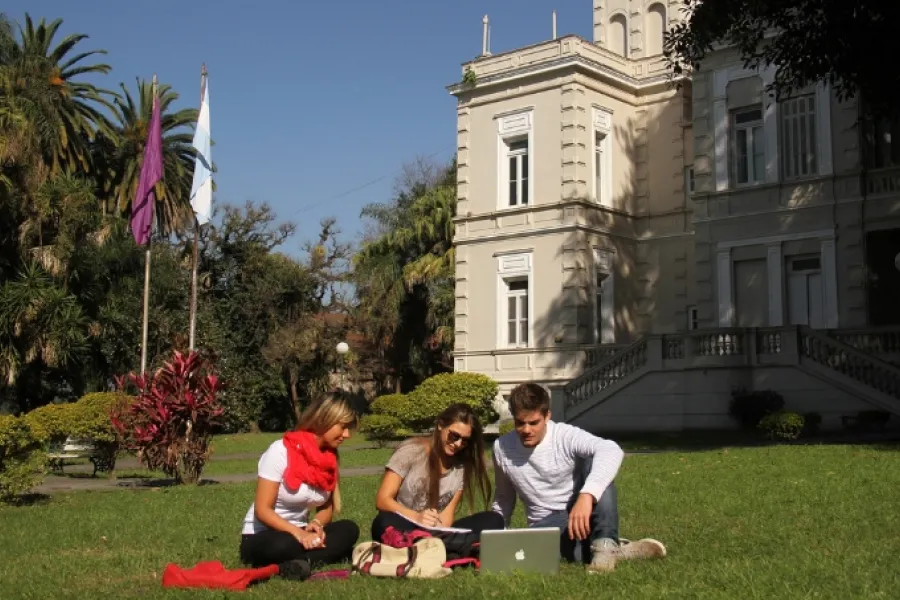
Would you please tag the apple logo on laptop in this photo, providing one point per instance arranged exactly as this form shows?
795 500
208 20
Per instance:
520 555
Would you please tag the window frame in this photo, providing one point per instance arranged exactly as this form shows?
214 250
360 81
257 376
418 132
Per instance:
788 115
751 127
512 128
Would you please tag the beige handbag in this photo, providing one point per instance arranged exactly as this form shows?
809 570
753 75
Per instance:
424 560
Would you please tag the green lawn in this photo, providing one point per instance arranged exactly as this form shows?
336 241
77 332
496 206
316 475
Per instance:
773 522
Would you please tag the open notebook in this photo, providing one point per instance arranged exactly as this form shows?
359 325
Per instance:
447 529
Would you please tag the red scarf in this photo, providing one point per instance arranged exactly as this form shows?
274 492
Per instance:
307 463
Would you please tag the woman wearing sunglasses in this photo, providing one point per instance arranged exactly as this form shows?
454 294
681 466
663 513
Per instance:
426 478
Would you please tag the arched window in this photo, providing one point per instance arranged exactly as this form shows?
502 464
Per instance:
655 28
618 35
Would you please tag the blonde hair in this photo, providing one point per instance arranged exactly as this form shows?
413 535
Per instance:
323 413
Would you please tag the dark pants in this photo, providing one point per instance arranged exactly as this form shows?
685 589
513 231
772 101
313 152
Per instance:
272 547
604 520
477 523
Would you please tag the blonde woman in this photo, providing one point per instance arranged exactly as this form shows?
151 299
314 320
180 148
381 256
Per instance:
296 475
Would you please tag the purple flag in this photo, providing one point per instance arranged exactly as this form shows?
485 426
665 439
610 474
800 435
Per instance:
151 173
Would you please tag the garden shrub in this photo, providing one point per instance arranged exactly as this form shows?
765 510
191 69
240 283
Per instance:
749 408
392 405
436 393
782 425
22 457
507 426
170 422
92 420
51 423
381 428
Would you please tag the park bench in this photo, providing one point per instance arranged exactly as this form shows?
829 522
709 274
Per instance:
74 448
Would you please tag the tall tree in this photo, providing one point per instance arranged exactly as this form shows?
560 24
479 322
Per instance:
809 41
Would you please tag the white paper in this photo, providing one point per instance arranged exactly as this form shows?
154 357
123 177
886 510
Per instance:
447 529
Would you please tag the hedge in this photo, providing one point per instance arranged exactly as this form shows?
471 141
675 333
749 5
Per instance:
436 393
381 428
782 425
22 459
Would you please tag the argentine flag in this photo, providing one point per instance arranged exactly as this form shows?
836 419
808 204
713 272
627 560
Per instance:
201 189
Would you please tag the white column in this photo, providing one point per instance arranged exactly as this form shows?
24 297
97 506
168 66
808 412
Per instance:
829 277
723 279
774 269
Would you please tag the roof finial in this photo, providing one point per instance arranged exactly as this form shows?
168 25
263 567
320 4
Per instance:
554 24
485 37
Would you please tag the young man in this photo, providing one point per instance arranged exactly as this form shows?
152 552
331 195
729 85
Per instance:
564 476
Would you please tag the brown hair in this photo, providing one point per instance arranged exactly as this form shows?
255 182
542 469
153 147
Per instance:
323 413
471 456
528 397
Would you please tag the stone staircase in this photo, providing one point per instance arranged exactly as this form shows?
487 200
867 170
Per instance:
847 359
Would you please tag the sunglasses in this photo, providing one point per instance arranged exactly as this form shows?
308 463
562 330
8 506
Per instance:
453 437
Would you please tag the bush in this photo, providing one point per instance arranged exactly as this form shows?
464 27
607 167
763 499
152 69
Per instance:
782 425
437 393
391 405
170 422
92 420
51 423
381 428
22 457
749 408
507 426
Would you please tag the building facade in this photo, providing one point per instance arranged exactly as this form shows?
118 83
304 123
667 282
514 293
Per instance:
605 213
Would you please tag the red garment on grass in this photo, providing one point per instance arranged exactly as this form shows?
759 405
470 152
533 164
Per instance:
214 575
307 463
401 539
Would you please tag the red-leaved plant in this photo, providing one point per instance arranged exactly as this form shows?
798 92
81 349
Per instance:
170 423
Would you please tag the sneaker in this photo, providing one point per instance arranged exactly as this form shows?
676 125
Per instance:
295 570
640 549
603 556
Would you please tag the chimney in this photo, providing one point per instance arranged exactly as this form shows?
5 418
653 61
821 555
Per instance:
554 24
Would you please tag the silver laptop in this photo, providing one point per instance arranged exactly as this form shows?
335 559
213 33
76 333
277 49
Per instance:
533 550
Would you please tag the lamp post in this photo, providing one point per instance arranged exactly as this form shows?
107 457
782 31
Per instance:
342 349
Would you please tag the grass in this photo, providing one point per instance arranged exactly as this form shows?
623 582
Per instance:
771 522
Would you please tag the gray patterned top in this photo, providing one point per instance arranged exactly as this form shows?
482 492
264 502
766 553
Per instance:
410 461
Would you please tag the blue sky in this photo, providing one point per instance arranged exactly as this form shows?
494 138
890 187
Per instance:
310 102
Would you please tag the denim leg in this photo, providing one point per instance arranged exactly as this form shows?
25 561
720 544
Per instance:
560 520
604 518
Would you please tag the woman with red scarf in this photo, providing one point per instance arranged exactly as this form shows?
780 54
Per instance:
297 474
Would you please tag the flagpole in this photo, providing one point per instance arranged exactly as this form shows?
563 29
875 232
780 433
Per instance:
147 270
196 253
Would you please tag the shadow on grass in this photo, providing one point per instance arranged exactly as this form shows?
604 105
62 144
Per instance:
148 482
31 499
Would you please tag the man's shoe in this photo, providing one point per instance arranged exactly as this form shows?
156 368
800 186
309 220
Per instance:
604 553
295 570
640 549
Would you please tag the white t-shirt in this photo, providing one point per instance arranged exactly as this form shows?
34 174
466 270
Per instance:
293 508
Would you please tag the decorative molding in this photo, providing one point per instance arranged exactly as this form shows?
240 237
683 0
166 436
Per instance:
514 264
775 239
516 123
602 120
603 259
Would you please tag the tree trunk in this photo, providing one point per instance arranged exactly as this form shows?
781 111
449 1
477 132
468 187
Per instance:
295 400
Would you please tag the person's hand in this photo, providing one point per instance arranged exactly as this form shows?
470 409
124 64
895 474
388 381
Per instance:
580 517
316 528
429 517
309 540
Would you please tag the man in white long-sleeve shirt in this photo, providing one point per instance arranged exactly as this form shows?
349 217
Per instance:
564 476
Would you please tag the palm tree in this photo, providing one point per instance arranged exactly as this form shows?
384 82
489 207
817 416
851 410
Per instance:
125 153
62 109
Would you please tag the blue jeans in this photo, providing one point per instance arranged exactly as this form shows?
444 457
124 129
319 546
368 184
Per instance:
604 520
